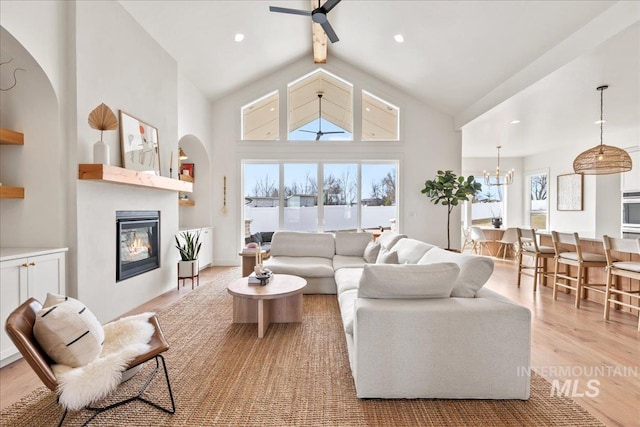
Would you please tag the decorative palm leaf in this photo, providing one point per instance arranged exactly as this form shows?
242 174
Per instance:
102 118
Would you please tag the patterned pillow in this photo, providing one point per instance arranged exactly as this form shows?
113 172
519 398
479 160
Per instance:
68 332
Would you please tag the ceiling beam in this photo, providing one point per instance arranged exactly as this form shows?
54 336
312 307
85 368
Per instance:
319 38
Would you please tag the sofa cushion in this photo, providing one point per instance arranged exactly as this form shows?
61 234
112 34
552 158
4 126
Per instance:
300 266
348 279
343 261
387 257
474 270
68 332
346 300
300 244
371 251
410 250
352 244
389 238
408 281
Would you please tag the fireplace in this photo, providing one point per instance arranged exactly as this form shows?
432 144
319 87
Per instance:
137 243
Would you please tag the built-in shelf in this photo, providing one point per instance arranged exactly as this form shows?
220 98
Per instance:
10 137
183 202
117 175
11 192
183 177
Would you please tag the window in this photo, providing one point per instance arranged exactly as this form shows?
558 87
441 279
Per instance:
379 119
260 119
286 196
300 197
538 201
340 193
320 108
488 204
261 196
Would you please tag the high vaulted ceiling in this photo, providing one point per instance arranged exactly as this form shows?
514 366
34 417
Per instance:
461 57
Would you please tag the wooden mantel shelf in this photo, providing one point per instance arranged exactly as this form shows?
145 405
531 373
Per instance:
117 175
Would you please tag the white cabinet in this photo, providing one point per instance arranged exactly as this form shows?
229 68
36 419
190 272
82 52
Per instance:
206 250
631 179
26 273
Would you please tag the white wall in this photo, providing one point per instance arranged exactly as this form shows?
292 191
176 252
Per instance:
428 143
118 63
30 107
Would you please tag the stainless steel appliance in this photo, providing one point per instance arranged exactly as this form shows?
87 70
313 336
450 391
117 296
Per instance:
631 210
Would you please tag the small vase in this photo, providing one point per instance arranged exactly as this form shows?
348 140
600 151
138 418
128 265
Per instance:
497 222
101 153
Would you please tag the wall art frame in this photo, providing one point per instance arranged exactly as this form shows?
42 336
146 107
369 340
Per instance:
139 145
570 192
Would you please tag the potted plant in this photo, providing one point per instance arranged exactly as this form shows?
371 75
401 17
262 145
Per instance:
188 264
449 190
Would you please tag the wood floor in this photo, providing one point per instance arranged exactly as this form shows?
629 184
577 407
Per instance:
563 339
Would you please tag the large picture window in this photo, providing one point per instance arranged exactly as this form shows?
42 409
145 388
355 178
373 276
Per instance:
353 196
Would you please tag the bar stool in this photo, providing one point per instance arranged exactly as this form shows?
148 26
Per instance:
575 258
528 246
509 239
630 269
479 240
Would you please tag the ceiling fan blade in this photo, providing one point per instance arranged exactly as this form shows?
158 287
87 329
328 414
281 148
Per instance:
330 4
318 135
309 131
291 11
333 37
326 133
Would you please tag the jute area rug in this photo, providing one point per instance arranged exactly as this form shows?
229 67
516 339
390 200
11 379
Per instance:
298 375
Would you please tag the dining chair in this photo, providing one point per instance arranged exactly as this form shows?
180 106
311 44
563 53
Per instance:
509 240
19 327
468 241
528 246
479 240
581 261
621 269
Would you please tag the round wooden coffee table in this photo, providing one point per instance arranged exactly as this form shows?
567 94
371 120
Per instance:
280 301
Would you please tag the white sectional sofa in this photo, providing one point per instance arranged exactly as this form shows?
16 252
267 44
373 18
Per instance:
423 327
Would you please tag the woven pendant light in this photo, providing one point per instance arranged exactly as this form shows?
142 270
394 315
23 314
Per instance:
602 159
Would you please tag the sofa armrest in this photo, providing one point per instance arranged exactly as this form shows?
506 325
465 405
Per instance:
441 348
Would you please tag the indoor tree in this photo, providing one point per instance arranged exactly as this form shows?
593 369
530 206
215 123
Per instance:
449 190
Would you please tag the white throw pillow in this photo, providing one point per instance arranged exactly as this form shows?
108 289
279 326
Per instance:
408 280
474 270
68 332
387 257
371 252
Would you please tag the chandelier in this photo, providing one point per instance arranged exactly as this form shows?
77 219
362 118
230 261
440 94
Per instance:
602 159
496 179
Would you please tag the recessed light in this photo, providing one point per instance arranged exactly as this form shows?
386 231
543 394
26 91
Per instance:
272 109
514 122
597 122
239 37
367 109
399 38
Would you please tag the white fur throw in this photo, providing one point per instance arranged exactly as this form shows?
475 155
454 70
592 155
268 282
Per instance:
125 339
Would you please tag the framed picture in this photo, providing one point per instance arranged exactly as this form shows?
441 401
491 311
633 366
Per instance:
187 169
139 143
570 192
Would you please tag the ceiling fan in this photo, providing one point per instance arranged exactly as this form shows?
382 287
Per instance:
319 133
318 15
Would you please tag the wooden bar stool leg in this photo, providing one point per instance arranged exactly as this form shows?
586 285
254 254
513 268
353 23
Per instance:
579 288
555 280
535 273
519 268
607 295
